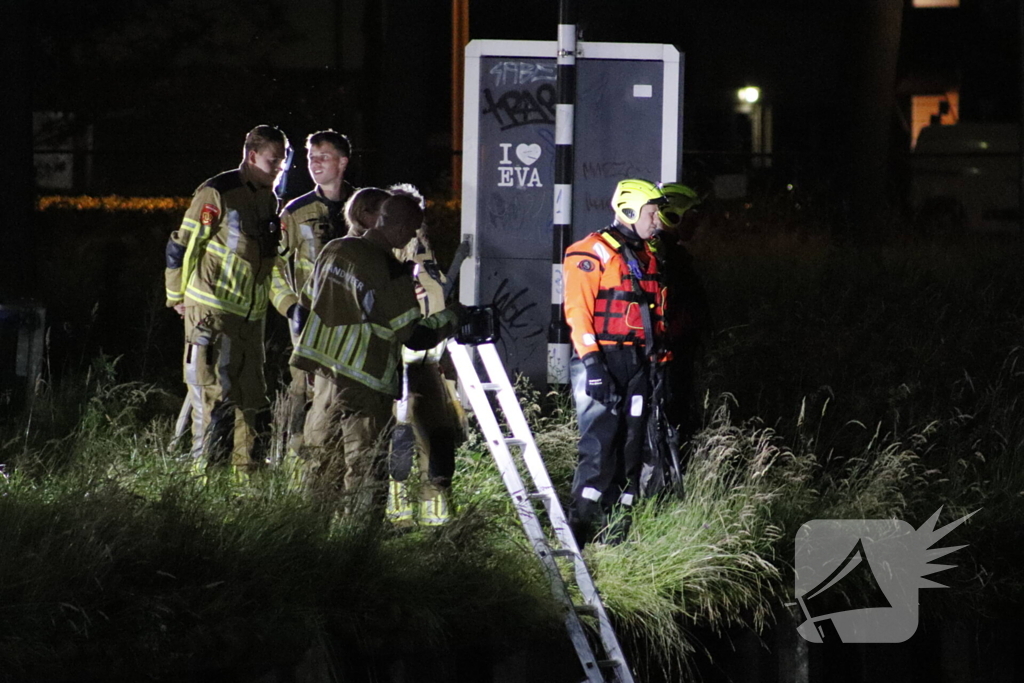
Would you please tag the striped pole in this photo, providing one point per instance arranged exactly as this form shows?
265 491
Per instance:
559 347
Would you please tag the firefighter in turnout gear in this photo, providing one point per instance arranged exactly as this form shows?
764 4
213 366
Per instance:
429 422
614 305
356 311
217 277
308 223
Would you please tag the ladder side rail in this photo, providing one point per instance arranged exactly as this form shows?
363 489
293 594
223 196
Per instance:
514 415
535 463
495 441
538 471
524 508
531 453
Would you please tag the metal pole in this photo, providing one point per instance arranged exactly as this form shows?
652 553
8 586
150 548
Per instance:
460 36
1020 129
559 347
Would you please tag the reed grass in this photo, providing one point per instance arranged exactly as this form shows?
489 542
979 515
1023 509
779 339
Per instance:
119 561
840 383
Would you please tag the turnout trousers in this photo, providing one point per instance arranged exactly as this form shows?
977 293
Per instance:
299 396
428 428
612 444
345 435
223 368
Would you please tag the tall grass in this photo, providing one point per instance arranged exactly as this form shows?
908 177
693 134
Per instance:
704 560
841 383
119 562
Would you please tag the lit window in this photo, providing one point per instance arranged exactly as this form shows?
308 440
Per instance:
934 109
936 3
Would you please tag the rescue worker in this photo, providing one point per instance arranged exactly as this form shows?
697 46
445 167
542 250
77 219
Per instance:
363 208
614 305
355 312
689 322
217 277
308 223
428 417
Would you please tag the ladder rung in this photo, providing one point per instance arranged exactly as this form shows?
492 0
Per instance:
585 610
562 552
490 386
609 663
537 496
515 442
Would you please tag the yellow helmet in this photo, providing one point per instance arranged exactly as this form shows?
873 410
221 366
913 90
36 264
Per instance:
680 199
633 194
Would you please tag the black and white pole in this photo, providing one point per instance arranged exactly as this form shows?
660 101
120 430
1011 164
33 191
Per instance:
559 347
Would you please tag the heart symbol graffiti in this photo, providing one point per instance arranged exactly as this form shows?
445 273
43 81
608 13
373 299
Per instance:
528 153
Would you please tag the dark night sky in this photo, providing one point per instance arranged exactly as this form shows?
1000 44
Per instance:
167 88
186 78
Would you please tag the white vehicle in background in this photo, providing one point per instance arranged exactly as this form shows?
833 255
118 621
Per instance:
966 176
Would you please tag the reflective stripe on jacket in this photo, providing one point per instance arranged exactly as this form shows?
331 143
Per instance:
223 253
308 223
602 306
428 275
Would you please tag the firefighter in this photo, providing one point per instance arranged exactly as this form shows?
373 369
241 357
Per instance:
428 417
614 305
689 322
355 312
363 209
308 223
217 278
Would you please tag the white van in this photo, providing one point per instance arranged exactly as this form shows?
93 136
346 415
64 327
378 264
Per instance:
966 176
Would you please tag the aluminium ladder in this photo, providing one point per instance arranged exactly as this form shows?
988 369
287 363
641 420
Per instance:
613 667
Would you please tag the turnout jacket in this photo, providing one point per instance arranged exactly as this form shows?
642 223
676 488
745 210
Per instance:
363 308
427 274
222 254
607 290
308 223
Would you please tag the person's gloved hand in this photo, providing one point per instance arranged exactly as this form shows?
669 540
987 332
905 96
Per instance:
458 308
297 319
600 385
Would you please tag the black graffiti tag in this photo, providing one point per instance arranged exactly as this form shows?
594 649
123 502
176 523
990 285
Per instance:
521 107
614 169
511 309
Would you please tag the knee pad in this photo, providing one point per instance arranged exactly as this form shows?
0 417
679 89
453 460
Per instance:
297 419
261 443
220 435
403 452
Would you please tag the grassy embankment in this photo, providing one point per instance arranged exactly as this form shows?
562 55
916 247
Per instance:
840 382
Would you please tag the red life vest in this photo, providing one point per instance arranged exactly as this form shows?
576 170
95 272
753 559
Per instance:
618 316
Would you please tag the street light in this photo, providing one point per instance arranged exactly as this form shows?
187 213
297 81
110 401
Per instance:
748 95
748 101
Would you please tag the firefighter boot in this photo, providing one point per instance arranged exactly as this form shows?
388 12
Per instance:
434 507
399 507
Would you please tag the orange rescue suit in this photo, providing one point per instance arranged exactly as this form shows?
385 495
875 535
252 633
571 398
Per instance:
602 305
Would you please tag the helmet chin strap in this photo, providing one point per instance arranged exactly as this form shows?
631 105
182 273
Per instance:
628 230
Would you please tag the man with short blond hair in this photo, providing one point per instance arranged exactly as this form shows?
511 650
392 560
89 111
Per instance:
308 223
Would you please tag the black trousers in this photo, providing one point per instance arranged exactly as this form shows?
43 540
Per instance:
613 444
